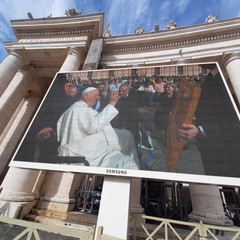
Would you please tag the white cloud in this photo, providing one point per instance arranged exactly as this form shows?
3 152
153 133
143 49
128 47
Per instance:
141 8
124 15
165 10
229 9
182 5
143 13
18 9
5 31
118 15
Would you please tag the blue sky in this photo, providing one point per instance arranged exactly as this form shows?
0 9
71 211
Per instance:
123 15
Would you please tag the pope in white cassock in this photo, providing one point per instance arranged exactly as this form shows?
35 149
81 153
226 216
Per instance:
82 131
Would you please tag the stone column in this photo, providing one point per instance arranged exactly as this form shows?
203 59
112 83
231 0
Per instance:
136 209
13 95
20 199
73 60
19 193
232 64
135 196
8 69
58 189
14 130
207 205
20 186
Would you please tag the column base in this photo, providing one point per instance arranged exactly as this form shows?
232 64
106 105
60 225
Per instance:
136 208
15 209
17 196
212 219
136 211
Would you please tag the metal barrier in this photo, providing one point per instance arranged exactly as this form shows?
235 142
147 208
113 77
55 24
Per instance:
32 229
168 229
159 229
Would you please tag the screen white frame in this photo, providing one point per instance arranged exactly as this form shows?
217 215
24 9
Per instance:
165 176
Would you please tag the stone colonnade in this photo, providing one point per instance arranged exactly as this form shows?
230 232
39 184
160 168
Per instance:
23 190
57 188
20 187
16 106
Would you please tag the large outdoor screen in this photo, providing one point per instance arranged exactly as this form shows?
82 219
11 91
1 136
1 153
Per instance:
176 122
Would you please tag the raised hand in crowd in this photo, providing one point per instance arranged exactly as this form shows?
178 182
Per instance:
114 97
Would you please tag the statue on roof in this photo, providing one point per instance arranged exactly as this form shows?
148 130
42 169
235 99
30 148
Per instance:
139 30
106 33
73 12
171 25
211 18
156 28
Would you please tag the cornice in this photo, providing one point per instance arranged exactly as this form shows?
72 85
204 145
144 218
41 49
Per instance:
91 25
170 39
54 33
48 43
57 20
49 40
219 26
200 51
166 43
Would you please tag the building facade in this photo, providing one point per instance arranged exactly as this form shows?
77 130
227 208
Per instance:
78 42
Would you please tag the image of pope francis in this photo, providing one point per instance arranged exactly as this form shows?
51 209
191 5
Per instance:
82 131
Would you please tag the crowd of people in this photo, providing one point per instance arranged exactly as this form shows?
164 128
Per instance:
147 88
112 123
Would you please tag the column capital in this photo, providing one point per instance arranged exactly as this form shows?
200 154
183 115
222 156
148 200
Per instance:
21 56
231 57
73 60
74 50
16 53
